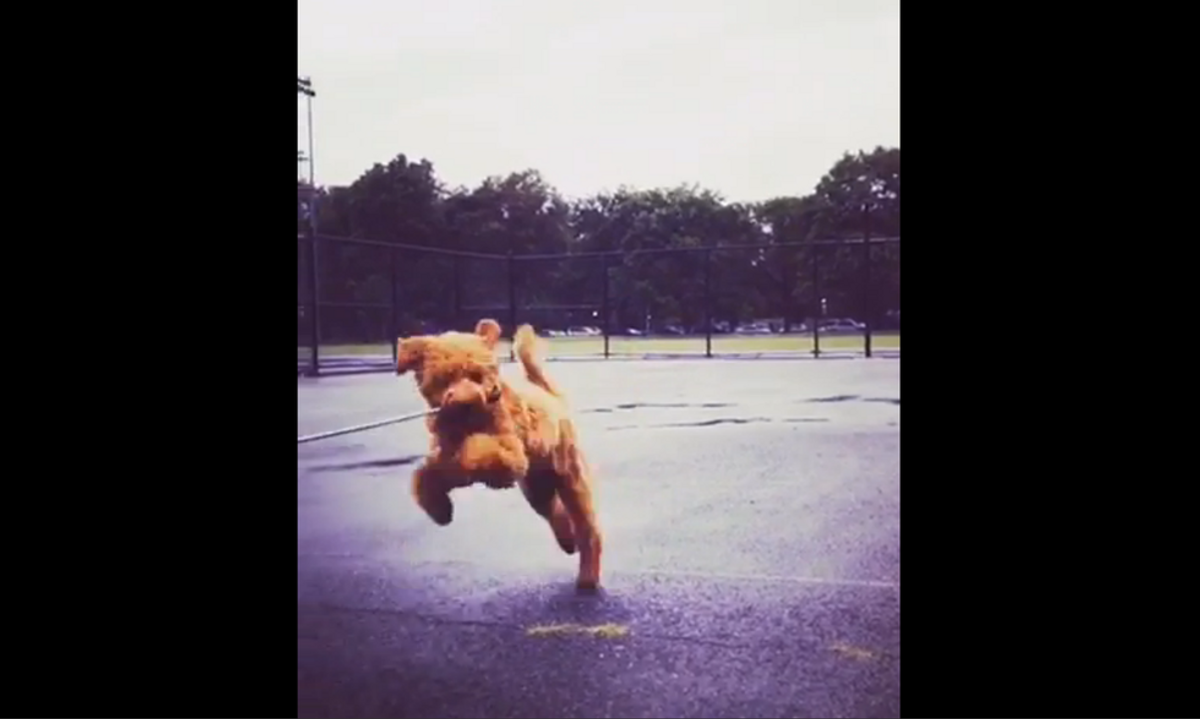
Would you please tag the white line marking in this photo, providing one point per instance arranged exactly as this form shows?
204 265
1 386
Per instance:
759 577
522 567
363 427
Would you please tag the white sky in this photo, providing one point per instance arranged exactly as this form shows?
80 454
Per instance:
752 98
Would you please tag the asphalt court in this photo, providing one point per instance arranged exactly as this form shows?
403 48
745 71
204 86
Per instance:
752 561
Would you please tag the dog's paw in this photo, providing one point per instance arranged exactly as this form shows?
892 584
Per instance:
564 533
443 516
587 584
439 508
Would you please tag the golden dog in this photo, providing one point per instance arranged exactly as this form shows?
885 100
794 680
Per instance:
488 430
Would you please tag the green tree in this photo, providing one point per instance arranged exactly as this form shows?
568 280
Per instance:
520 214
785 271
647 285
861 193
396 203
403 203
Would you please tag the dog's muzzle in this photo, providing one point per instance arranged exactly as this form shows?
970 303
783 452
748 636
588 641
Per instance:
492 397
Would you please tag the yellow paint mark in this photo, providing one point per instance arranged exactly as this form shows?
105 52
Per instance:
850 652
603 631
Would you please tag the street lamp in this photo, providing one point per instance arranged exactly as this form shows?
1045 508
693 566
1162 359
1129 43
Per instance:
309 196
304 87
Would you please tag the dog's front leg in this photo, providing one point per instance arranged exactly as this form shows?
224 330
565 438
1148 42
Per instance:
431 485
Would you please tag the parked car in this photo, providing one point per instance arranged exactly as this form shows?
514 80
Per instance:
580 331
841 325
754 328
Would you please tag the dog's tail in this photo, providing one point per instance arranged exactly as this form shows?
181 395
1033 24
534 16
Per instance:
525 346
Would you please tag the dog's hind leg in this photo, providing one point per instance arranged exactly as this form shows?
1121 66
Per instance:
539 490
574 489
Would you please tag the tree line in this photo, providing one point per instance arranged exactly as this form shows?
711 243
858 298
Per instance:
403 203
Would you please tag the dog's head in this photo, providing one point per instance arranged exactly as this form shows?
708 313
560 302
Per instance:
454 369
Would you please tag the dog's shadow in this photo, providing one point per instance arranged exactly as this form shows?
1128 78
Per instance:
561 603
567 604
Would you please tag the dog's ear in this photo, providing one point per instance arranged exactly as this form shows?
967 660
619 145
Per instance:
410 354
489 330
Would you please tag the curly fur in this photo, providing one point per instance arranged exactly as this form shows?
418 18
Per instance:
488 430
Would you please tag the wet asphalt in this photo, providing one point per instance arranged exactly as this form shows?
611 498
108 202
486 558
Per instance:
751 512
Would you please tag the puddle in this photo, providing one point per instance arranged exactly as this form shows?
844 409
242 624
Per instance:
657 405
390 462
714 422
849 397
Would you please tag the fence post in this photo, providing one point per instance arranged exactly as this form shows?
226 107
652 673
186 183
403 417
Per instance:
457 292
866 279
817 303
512 304
314 293
708 303
395 320
604 303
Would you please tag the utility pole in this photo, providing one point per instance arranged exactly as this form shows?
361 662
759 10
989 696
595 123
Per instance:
304 87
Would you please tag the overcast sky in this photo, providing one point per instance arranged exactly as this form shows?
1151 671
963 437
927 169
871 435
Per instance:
752 98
